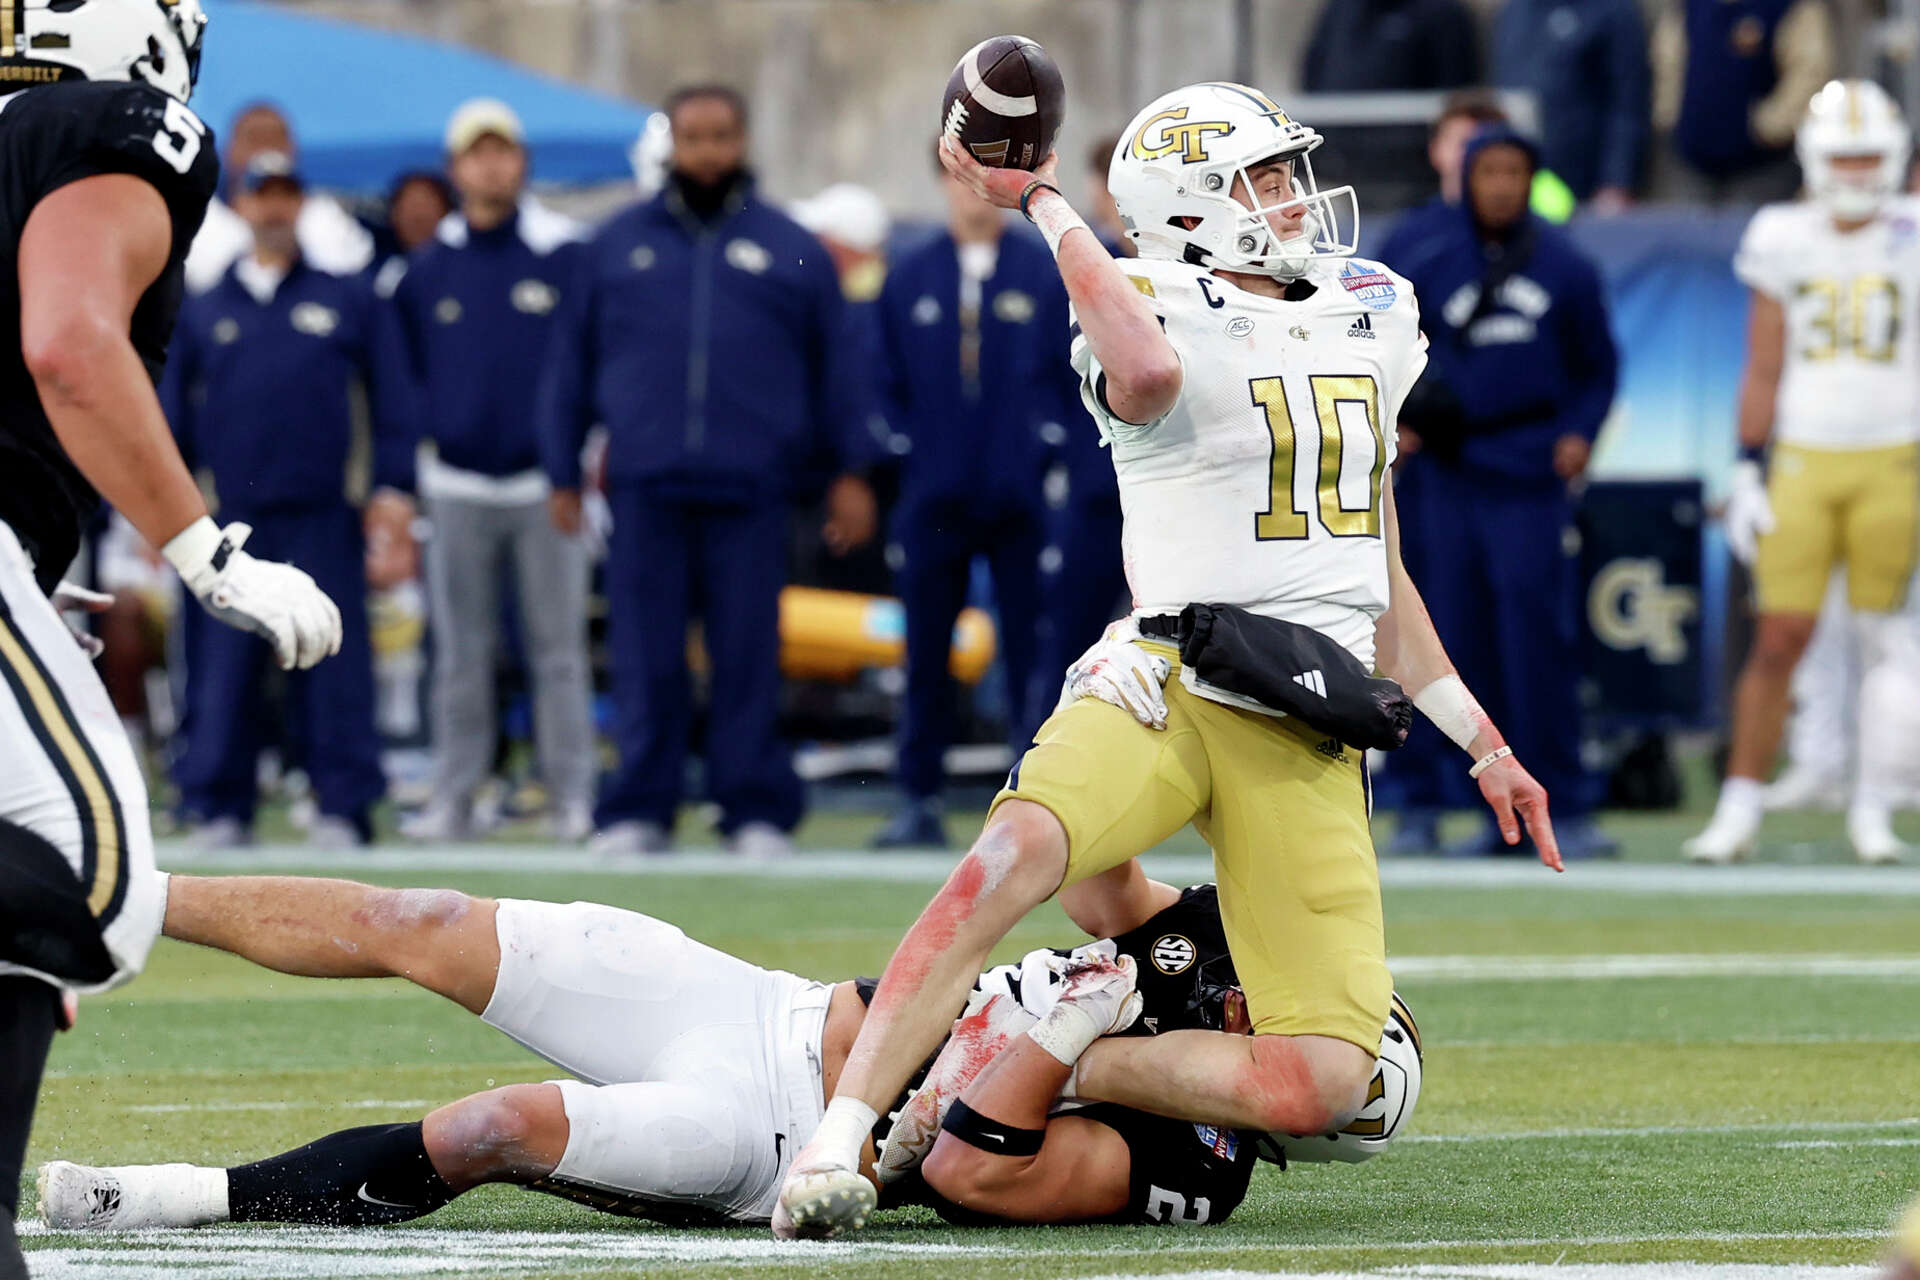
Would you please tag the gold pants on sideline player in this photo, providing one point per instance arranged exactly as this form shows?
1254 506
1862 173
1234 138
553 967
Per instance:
1857 507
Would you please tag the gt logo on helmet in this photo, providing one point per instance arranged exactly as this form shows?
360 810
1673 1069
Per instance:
1188 139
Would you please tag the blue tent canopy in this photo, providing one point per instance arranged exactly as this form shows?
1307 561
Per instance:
367 104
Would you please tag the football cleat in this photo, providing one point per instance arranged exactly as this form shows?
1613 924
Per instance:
1870 832
822 1203
1799 787
78 1197
1728 838
977 1039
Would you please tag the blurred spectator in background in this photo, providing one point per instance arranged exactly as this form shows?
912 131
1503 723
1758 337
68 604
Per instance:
264 386
1085 584
1422 767
707 331
1585 61
416 202
1525 371
1384 46
477 306
854 225
1733 78
330 238
973 329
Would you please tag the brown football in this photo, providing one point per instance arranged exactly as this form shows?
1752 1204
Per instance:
1004 103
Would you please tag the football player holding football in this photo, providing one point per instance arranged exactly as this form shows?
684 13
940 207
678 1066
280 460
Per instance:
107 173
1246 371
697 1075
1829 473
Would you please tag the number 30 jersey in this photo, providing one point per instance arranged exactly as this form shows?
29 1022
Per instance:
1262 486
51 136
1852 303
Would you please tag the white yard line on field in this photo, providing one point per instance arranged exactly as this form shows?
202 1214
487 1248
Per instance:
1670 1131
1534 1271
1612 877
284 1104
1848 1142
1486 968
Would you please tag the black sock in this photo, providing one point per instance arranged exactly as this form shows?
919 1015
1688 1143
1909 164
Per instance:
376 1174
29 1012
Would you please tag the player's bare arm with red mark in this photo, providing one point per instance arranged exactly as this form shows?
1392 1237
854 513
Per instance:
1143 370
88 253
1080 1171
1409 650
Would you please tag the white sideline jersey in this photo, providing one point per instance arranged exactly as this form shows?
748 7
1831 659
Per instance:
1852 302
1261 487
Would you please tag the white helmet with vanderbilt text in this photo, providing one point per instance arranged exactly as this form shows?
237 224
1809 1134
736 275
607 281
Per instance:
154 42
1178 163
1853 118
1390 1101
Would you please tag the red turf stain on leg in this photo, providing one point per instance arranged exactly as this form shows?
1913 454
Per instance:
934 931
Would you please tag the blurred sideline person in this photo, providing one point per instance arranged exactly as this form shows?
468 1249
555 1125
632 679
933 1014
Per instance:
1829 472
1420 772
416 203
707 332
695 1075
1586 63
279 351
478 306
1522 350
1905 1263
108 176
1085 583
1201 361
331 240
973 341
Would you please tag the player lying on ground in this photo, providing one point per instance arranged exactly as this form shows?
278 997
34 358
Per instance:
699 1075
1247 372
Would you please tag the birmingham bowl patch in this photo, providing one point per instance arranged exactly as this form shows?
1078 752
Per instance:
1369 285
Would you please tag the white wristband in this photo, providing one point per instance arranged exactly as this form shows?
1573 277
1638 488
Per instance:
1453 710
193 546
1050 212
1488 760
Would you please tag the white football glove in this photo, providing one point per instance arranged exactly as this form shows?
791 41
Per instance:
69 597
1117 671
1096 999
1749 513
276 601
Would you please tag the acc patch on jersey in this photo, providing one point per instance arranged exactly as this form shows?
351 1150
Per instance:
1225 1142
1372 288
1173 954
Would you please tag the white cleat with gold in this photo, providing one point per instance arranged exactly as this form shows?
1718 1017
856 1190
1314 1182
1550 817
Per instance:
823 1202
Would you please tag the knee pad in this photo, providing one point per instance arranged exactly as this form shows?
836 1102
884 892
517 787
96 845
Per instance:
44 921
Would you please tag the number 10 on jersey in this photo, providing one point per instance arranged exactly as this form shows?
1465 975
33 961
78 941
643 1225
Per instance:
1339 403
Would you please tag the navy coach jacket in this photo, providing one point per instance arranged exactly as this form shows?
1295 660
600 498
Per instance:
267 395
719 355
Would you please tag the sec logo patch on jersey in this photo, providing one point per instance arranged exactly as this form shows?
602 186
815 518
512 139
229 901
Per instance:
1173 954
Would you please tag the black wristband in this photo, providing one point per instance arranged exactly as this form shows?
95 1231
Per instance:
976 1130
1027 195
1754 453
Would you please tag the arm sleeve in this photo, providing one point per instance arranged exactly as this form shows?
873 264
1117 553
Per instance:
1591 357
1759 263
178 391
393 394
1624 142
564 408
843 416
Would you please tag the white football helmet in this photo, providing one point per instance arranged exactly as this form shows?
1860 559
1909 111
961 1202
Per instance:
155 42
1853 118
1390 1102
1179 160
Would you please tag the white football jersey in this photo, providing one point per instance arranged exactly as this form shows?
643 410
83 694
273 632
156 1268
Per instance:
1262 486
1852 303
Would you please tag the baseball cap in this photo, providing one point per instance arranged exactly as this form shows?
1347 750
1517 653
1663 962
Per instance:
475 118
848 213
270 166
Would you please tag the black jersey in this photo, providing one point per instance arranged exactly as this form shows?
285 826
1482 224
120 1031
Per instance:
50 136
1180 1173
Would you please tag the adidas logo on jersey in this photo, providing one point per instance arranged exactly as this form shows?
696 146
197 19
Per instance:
1334 750
1362 328
1312 681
